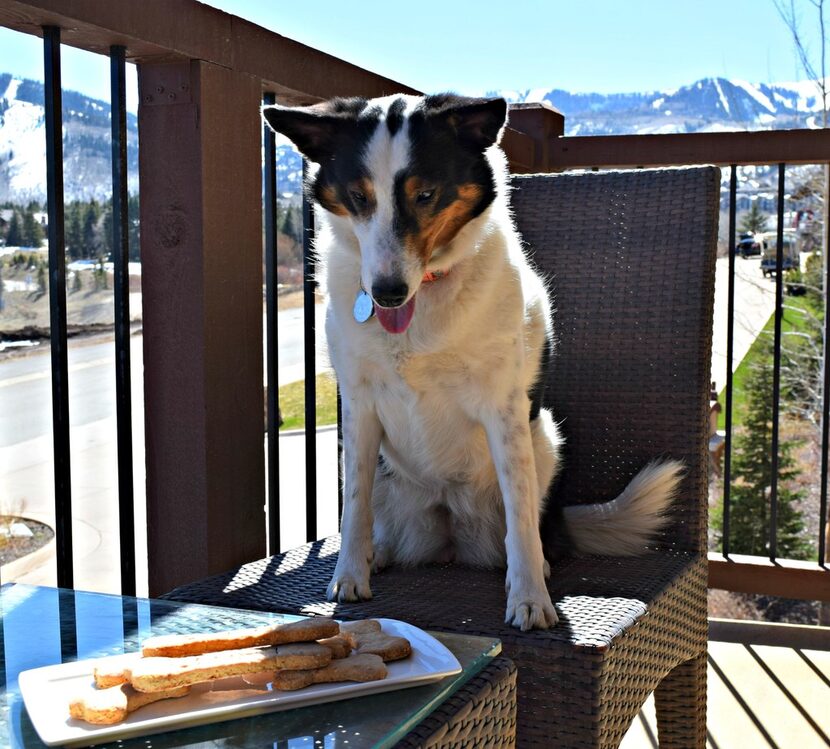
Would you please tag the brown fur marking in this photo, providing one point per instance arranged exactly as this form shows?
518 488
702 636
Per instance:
439 229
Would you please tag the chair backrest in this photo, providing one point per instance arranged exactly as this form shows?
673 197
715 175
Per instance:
630 258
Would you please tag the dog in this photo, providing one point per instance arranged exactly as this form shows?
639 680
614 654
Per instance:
438 329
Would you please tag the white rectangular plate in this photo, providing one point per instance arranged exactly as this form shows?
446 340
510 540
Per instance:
47 691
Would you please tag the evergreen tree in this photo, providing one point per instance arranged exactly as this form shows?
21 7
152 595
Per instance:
134 228
754 220
91 237
106 231
14 238
751 471
74 231
41 278
32 233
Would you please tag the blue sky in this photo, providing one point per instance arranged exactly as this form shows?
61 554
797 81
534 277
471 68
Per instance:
472 47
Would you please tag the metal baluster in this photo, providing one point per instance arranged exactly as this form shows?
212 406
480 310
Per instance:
271 351
57 303
825 398
730 344
121 259
309 285
776 378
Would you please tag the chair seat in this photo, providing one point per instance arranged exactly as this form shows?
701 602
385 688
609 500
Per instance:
628 621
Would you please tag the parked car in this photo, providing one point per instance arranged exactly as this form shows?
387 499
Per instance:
747 245
769 251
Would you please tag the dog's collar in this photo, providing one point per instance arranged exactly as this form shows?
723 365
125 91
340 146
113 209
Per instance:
433 275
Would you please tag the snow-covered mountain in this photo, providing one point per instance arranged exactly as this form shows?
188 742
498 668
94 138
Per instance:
86 144
711 104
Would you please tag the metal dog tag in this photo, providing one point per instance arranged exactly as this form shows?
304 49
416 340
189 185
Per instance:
364 307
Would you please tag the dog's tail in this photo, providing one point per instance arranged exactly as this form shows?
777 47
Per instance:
625 525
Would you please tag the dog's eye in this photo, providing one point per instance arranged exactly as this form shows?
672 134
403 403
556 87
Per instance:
358 198
424 196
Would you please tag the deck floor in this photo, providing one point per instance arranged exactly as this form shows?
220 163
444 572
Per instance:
761 693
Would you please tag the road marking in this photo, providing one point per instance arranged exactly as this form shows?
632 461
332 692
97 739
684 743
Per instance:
47 374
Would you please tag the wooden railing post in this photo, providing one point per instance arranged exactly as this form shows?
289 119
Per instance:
201 247
537 124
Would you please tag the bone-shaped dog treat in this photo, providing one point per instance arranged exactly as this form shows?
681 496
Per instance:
366 667
175 646
154 674
340 646
113 671
370 638
112 705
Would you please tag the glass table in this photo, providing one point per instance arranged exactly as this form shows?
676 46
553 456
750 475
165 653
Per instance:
45 626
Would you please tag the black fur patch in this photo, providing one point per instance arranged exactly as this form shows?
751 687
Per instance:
394 118
437 160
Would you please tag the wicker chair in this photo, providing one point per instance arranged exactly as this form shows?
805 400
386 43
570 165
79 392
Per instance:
631 258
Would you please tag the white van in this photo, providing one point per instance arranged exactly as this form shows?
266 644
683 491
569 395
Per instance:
769 251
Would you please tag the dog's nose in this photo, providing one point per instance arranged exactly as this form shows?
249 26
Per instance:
389 292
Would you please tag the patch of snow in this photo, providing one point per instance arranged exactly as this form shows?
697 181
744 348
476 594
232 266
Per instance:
723 101
757 95
657 103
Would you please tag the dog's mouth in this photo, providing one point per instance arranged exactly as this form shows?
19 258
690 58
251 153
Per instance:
396 319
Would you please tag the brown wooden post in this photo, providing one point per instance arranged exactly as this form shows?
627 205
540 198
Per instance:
201 248
541 122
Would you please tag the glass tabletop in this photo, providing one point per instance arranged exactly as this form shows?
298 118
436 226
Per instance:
45 626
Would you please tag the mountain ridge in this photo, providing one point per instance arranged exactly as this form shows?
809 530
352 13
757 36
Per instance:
707 105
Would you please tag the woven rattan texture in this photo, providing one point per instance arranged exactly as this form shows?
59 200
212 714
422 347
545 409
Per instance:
481 714
630 257
629 262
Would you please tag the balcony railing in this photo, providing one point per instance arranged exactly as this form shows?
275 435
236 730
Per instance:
202 215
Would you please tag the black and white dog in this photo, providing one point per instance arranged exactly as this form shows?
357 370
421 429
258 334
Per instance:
436 327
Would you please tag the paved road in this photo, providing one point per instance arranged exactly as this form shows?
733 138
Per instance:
754 303
26 470
25 435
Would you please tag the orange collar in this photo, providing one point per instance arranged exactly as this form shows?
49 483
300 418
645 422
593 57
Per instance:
431 276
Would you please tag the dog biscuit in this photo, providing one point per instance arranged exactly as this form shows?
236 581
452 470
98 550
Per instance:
339 645
113 671
365 667
112 705
370 638
176 646
156 673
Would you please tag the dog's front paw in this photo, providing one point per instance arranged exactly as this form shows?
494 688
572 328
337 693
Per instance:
530 611
349 586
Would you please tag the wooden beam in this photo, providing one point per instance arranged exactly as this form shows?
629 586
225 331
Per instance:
201 251
180 30
721 149
784 577
541 123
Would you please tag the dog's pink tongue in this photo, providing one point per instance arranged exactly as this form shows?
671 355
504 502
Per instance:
396 319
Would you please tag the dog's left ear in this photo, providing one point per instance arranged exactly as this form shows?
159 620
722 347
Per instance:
312 130
477 122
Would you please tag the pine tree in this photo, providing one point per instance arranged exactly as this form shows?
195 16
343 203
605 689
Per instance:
91 238
14 238
751 471
32 233
754 220
74 231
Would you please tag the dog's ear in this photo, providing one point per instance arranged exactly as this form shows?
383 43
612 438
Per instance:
313 130
476 122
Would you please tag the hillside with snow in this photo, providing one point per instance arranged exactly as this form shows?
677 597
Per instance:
86 144
711 104
708 105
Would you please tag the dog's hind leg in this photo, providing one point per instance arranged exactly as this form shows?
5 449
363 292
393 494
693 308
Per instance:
362 433
411 524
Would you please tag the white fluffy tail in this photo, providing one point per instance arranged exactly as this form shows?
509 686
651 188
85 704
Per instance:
625 525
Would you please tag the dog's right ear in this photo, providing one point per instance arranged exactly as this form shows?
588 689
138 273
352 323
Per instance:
313 131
